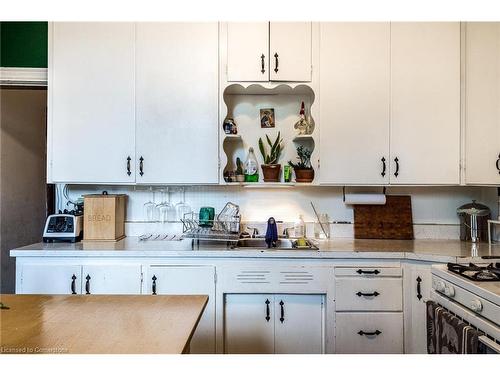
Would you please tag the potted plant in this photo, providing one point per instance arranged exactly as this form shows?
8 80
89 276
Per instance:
271 169
304 171
240 176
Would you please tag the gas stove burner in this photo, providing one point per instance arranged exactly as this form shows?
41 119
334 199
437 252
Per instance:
474 272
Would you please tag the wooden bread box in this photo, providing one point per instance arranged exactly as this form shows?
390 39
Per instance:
104 217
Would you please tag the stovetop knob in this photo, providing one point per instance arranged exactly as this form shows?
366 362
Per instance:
476 305
440 286
449 291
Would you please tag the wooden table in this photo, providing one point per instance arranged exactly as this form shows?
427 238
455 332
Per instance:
98 324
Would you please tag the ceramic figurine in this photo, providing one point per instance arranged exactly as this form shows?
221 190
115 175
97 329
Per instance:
302 125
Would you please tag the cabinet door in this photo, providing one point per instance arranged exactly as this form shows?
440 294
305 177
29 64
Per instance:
91 128
425 103
299 324
290 51
112 279
248 51
418 280
249 323
177 102
190 280
50 279
482 100
354 111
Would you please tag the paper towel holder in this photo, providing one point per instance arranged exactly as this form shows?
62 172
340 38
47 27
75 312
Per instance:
384 189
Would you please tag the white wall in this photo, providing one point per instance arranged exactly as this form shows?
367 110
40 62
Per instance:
431 205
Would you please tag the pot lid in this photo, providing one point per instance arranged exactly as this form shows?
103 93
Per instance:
473 208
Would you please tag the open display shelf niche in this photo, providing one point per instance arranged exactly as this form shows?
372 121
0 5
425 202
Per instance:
243 104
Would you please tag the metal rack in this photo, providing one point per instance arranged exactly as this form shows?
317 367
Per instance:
226 227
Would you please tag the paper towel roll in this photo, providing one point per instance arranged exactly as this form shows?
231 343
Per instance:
365 199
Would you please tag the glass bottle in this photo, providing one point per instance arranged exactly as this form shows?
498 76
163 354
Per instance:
251 167
299 228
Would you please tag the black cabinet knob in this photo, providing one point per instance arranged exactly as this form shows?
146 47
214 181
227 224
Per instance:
87 284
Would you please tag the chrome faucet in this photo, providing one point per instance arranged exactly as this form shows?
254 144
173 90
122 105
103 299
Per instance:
286 233
255 231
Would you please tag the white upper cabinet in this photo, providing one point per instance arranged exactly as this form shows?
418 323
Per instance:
482 100
91 103
355 98
248 51
290 51
425 103
177 103
263 51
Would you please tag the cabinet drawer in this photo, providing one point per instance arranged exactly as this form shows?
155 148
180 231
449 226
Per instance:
368 271
369 333
360 294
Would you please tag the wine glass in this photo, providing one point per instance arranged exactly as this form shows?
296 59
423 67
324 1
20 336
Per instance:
170 209
149 207
182 207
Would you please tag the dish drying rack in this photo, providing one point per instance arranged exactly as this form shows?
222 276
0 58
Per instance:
225 227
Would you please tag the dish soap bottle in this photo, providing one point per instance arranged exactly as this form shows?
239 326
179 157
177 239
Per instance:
299 228
251 167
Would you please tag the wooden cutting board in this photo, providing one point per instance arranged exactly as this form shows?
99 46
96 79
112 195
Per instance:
390 221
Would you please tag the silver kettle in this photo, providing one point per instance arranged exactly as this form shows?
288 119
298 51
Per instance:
474 222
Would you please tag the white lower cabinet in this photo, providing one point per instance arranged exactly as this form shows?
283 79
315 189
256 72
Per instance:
368 310
46 278
417 287
43 278
273 323
367 333
112 279
180 279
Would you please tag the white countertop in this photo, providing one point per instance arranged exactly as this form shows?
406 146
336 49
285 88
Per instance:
425 250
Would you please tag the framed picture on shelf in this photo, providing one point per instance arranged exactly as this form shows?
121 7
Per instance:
267 118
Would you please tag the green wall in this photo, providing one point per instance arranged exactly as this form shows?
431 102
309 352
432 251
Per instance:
23 44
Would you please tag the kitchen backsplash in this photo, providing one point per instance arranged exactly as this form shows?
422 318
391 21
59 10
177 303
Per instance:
434 208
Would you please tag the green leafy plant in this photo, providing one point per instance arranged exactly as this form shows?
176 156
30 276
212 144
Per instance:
239 166
276 148
304 156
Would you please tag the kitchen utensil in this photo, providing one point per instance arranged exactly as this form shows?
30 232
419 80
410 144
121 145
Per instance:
390 221
474 221
327 235
206 217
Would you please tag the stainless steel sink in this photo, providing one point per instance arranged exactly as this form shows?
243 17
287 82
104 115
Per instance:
281 244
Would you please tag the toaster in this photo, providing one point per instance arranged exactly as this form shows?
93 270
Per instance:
63 228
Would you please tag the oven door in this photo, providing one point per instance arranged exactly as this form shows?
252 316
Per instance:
491 338
489 346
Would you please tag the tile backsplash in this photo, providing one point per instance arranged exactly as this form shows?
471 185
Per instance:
434 208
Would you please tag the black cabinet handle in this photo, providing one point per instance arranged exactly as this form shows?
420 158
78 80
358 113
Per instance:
73 284
282 318
153 286
268 317
419 291
141 166
276 63
128 166
498 163
87 284
396 160
374 294
363 333
383 167
262 69
374 272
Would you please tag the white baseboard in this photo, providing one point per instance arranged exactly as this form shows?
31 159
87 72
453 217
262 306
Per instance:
23 76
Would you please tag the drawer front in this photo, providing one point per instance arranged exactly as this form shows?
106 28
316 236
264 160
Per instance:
369 272
369 333
360 294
